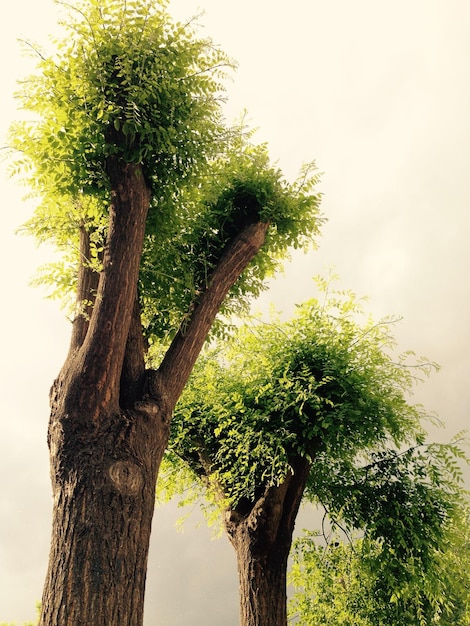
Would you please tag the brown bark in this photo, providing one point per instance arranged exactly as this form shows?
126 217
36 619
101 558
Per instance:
103 460
262 538
88 280
133 367
103 508
109 423
186 346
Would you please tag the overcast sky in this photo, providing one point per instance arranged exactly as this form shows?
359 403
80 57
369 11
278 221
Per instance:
378 93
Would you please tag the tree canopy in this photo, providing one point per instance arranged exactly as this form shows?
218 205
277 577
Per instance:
324 385
129 83
125 81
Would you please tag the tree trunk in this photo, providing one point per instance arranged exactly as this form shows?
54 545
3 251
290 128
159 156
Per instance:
262 570
262 538
104 460
103 508
110 419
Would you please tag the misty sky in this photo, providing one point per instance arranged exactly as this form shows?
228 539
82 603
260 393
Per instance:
378 93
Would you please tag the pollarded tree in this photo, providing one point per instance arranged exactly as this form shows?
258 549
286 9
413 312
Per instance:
159 211
316 406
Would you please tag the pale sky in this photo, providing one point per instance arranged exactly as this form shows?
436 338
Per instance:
378 93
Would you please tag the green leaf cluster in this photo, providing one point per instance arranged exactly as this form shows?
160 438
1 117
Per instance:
405 498
58 223
353 583
330 586
329 387
128 83
241 188
325 384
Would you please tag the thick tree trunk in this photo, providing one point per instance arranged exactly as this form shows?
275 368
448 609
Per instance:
104 460
262 538
103 507
262 570
110 419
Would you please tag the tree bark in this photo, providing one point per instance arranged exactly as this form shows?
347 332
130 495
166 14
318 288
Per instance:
186 346
104 459
262 538
110 419
103 508
88 280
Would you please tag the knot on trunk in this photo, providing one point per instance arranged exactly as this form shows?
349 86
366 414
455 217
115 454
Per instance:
126 477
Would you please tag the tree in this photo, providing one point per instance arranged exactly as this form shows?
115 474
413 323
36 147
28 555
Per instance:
159 210
315 406
348 583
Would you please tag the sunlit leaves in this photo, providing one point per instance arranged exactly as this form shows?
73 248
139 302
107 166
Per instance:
328 386
241 187
405 498
129 83
356 582
329 585
323 385
59 224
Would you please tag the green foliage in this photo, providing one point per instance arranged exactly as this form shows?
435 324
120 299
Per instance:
128 83
240 188
330 585
405 499
323 385
59 223
354 584
454 571
327 386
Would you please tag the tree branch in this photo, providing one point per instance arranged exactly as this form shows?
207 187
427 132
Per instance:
94 372
86 293
169 380
133 369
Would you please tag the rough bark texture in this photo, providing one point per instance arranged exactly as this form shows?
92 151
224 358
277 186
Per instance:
103 507
110 419
88 281
184 350
262 538
103 459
